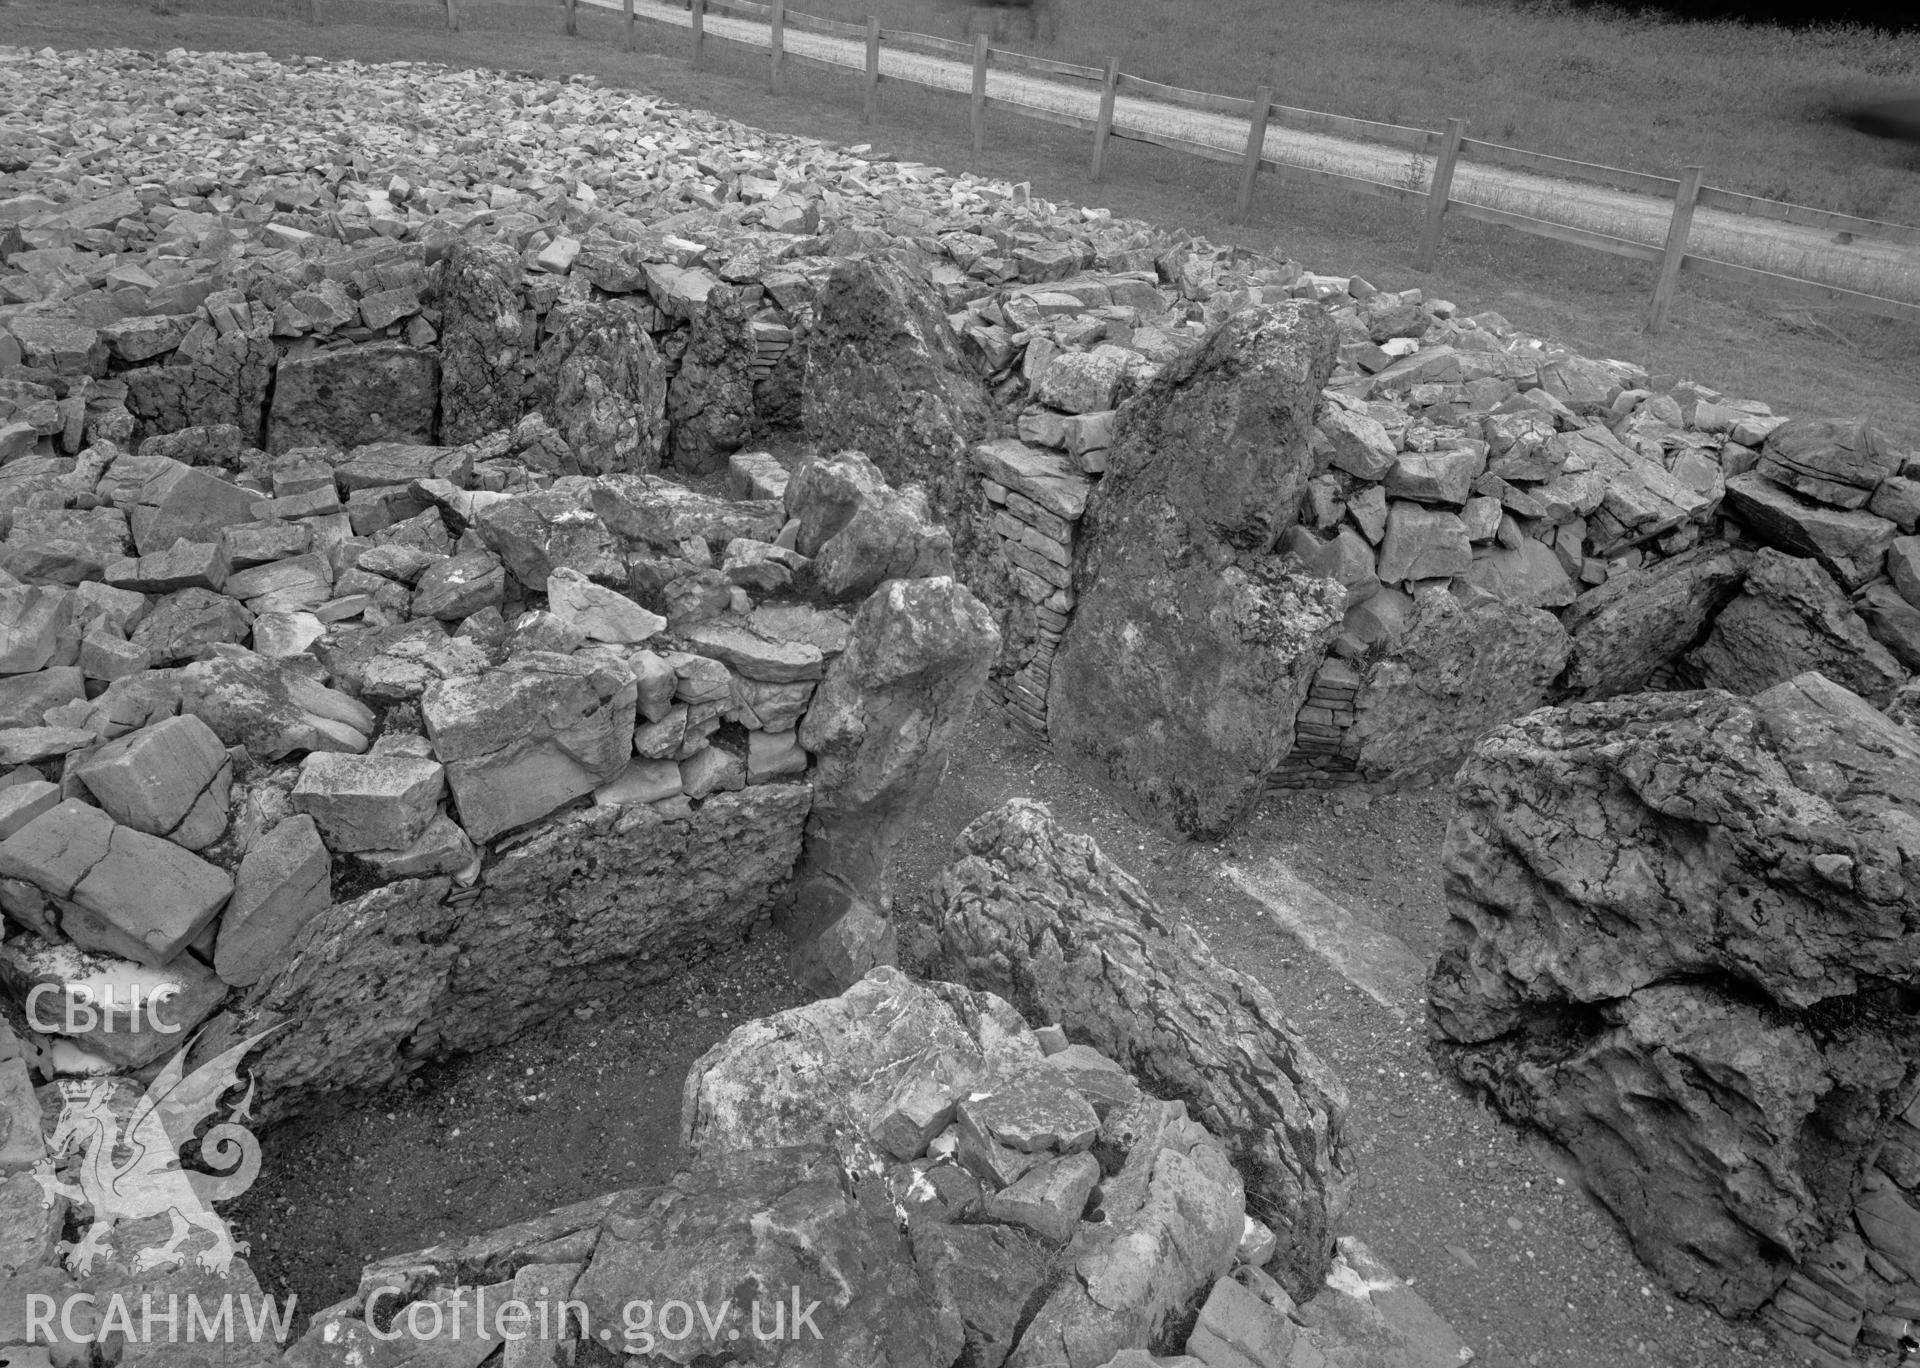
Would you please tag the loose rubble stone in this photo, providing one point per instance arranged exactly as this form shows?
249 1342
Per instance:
171 779
369 802
272 707
122 891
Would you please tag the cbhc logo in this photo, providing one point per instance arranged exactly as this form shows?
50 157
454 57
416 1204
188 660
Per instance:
84 1010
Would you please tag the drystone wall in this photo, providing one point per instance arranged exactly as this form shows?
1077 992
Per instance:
1512 524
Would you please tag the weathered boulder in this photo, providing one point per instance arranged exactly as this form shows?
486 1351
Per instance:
1192 644
1044 919
793 1227
1642 619
859 530
1839 464
180 503
1529 574
843 1063
602 384
597 612
1459 667
1790 618
379 392
890 1067
522 740
885 376
1680 923
272 707
480 340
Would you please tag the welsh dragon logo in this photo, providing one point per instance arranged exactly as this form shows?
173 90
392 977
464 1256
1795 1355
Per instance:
132 1171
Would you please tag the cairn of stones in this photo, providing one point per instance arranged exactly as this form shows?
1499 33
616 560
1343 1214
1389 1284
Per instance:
445 576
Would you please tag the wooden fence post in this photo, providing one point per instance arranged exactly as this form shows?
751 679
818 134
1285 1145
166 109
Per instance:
1103 127
698 9
1678 228
572 29
453 17
313 12
627 10
1437 191
1256 145
778 46
873 66
979 91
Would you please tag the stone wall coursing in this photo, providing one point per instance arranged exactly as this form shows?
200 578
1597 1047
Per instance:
1454 454
593 906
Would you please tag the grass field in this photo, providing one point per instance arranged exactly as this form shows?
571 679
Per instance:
1630 92
1601 86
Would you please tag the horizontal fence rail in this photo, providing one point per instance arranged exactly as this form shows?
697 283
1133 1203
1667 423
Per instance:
1675 224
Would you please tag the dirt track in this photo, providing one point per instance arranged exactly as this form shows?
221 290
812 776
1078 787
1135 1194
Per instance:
1886 269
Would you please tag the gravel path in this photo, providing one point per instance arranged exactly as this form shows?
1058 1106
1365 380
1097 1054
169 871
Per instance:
1886 269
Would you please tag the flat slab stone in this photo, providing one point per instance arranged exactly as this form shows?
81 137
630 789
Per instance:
1046 477
129 1014
757 657
124 892
283 882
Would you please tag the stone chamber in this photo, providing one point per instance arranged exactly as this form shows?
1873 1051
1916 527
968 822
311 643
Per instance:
437 590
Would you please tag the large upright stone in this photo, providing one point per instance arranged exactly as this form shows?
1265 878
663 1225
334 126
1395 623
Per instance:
885 376
379 392
1458 670
1788 619
284 881
1680 926
880 728
480 340
1642 619
1047 921
1192 644
603 386
226 381
711 405
526 738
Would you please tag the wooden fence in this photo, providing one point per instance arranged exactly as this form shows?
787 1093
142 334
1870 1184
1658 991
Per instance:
1446 148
